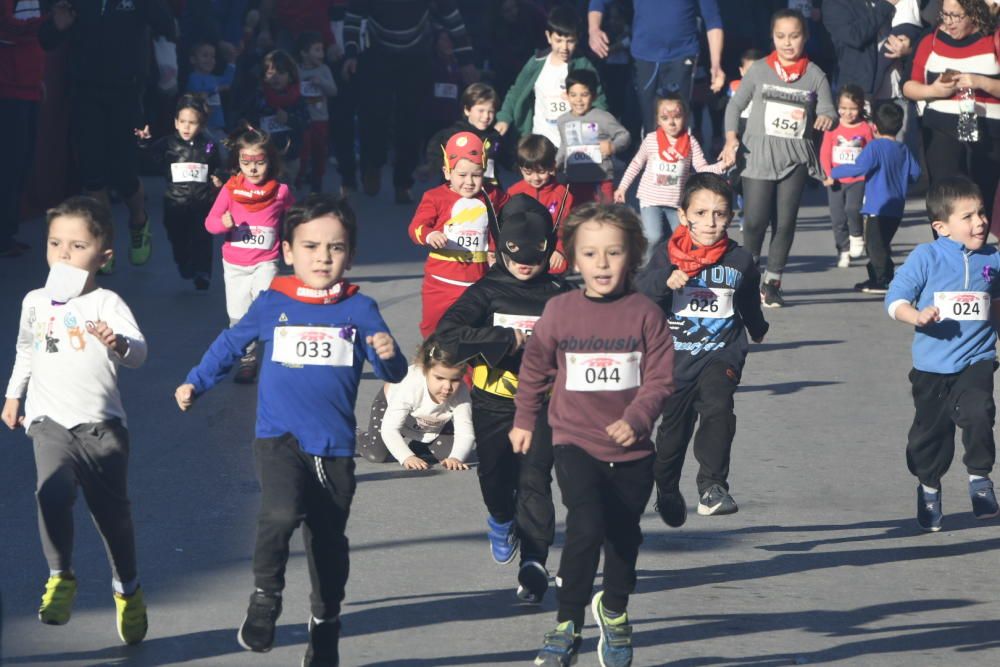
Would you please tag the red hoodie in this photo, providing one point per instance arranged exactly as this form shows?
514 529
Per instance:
553 196
22 62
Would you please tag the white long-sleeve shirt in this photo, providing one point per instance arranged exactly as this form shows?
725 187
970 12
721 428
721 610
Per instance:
69 375
413 415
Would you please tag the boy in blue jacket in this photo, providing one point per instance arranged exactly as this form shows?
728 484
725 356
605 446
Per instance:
317 332
949 290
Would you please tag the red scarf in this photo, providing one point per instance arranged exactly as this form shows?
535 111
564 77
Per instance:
788 74
281 99
249 196
294 288
691 259
676 152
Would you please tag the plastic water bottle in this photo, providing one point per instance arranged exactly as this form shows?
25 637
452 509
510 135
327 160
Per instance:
968 124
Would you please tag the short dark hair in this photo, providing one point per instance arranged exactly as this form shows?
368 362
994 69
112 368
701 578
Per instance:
320 205
791 14
94 213
752 55
563 21
305 42
944 193
888 118
583 77
856 94
704 181
478 93
282 62
535 152
433 351
248 136
616 215
193 101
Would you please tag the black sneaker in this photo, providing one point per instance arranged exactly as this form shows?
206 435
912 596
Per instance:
984 498
323 648
247 371
532 582
770 294
257 631
871 287
561 647
671 507
201 282
716 501
928 510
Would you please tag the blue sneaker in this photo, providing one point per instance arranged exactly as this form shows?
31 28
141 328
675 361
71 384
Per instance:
615 646
503 540
929 510
561 646
984 498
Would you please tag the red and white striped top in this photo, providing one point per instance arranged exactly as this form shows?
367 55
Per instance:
664 191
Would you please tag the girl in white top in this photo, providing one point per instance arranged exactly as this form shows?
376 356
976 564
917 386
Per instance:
429 411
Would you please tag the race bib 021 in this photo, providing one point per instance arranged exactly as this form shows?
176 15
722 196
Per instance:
618 371
313 346
846 154
963 306
703 302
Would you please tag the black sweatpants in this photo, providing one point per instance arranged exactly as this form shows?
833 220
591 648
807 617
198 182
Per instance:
604 502
374 449
104 122
879 232
298 488
516 486
190 241
947 156
943 402
845 212
709 402
343 133
20 117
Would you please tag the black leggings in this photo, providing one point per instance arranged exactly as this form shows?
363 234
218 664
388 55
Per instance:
760 197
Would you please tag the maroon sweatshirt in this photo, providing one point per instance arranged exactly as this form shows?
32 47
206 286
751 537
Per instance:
604 360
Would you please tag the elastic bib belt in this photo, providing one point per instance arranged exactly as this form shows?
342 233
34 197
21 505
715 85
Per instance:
475 257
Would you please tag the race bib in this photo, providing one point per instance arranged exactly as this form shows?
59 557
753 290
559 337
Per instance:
446 91
271 125
784 120
253 238
523 323
667 173
488 172
467 228
313 346
580 155
963 306
603 371
310 89
188 172
579 133
701 302
846 154
213 100
555 106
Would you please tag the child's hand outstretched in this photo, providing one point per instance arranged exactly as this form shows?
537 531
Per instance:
184 395
415 463
619 196
227 220
437 240
557 261
453 464
607 150
10 417
102 332
383 344
677 279
928 315
143 134
622 433
520 440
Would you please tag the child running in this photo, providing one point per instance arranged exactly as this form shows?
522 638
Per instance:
842 145
536 160
666 158
479 108
457 221
317 331
949 290
709 288
316 85
279 109
490 323
606 354
72 338
248 211
426 416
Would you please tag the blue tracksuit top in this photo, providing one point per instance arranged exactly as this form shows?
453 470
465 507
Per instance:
315 403
948 346
888 167
667 30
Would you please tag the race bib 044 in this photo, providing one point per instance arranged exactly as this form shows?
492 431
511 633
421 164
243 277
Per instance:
963 306
313 346
617 371
710 302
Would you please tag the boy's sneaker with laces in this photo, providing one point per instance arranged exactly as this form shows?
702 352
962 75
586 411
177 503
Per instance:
57 600
141 243
716 501
671 507
872 287
615 646
844 260
770 294
928 510
202 282
984 498
246 372
131 615
503 540
561 646
532 582
857 248
257 631
323 650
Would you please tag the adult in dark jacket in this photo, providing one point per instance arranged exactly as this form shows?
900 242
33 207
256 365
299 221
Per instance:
858 28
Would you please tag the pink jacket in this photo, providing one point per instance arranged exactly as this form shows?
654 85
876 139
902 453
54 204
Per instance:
256 237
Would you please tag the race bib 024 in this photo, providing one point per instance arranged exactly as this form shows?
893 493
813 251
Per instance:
963 306
313 346
617 371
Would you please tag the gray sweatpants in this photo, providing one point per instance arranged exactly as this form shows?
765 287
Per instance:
93 457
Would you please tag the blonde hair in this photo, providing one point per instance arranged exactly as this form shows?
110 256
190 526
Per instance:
616 215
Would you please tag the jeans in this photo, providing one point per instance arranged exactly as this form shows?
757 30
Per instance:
653 220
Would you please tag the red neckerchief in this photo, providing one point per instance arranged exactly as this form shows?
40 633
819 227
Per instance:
281 99
294 288
675 152
252 197
788 74
691 259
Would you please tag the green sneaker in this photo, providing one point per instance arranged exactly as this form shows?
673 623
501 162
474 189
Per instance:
141 246
57 600
561 646
108 267
132 621
615 646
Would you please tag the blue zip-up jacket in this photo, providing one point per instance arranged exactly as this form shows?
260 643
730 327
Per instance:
948 346
888 167
667 30
313 403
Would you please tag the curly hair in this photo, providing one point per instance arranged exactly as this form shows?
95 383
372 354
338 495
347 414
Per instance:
979 12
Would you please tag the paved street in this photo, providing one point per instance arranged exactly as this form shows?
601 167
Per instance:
822 565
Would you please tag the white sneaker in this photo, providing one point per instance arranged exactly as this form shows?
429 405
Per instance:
844 261
857 246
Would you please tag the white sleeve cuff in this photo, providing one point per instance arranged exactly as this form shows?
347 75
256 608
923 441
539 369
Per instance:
894 306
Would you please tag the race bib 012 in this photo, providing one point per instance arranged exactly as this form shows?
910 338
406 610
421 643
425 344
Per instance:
313 346
963 306
667 173
617 371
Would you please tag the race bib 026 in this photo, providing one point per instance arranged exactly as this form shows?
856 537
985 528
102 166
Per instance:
702 302
963 306
617 371
313 346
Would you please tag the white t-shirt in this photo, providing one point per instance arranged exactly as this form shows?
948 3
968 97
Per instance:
70 376
413 415
550 103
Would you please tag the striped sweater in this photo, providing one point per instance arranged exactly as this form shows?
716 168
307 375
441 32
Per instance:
402 26
656 189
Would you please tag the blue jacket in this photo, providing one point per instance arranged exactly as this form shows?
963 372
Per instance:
667 30
948 346
888 167
313 403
